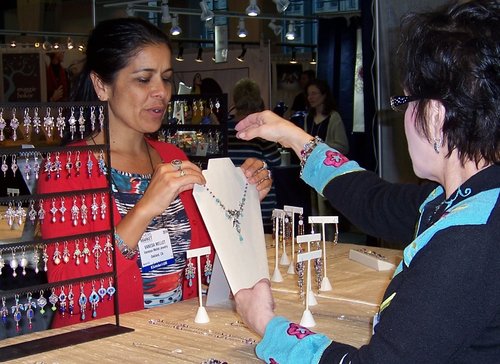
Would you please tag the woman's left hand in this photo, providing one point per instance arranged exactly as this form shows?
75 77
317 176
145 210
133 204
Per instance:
257 174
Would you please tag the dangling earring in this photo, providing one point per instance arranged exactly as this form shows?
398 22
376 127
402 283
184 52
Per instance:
190 272
208 269
437 145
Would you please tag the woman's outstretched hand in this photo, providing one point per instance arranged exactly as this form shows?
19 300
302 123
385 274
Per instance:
270 126
256 306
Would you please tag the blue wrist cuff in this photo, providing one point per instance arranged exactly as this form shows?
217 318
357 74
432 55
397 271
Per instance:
324 164
286 342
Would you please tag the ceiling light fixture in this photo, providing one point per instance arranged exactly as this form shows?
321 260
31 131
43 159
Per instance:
13 44
176 29
37 44
46 45
69 43
313 58
277 29
206 13
281 5
56 46
130 10
253 9
242 32
290 34
199 57
180 56
241 57
293 60
165 12
81 48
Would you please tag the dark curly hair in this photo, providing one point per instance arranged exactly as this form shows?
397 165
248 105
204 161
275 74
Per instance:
453 55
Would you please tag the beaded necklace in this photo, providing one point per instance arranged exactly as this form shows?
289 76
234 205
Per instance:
232 215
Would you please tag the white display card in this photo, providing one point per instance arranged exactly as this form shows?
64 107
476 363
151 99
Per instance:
242 254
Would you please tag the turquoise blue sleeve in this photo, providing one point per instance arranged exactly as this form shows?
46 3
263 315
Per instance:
324 164
286 342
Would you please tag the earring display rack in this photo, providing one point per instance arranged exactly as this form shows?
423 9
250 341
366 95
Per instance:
197 124
80 224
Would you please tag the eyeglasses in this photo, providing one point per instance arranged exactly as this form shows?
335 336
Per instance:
399 103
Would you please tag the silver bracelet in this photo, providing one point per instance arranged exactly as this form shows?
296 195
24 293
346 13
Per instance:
123 248
307 150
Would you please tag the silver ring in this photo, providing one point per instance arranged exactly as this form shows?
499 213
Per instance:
269 174
176 163
264 166
182 172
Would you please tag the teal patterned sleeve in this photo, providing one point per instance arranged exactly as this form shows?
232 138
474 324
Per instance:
324 164
287 342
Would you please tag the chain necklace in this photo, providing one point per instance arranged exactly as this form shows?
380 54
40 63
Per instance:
204 332
232 215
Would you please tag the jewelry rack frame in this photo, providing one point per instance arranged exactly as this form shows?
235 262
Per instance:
56 341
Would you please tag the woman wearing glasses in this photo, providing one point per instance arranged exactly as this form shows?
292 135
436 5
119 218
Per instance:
442 305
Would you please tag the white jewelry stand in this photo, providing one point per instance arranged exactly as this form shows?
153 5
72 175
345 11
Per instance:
284 257
325 282
292 210
307 317
201 315
308 238
278 214
244 261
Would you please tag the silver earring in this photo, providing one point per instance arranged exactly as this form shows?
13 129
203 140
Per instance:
437 145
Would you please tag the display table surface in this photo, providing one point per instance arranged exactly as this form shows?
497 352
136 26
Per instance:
169 334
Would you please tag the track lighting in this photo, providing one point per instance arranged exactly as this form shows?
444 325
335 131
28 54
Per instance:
130 10
37 44
206 13
69 43
176 29
313 58
290 34
277 29
13 44
253 9
46 45
165 12
281 5
241 57
293 59
81 48
242 32
199 58
180 56
56 46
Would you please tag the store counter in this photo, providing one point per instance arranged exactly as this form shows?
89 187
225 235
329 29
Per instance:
169 334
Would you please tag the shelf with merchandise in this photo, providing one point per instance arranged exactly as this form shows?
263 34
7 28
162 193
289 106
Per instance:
197 124
59 227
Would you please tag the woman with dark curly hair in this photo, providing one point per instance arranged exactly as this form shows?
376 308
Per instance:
442 305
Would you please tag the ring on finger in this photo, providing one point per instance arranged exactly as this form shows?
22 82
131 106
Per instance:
264 166
177 164
182 172
269 174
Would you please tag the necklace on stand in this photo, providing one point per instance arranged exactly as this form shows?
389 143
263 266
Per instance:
232 215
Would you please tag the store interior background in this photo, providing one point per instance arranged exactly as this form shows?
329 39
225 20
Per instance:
329 36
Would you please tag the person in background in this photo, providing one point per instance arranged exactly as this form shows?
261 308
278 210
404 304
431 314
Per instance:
247 99
324 121
300 103
128 65
442 304
196 86
58 81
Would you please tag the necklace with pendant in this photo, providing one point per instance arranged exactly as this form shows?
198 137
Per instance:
233 215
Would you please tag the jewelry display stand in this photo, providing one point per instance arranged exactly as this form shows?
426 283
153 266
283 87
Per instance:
31 132
197 124
308 238
325 282
201 314
307 317
292 210
277 215
230 208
